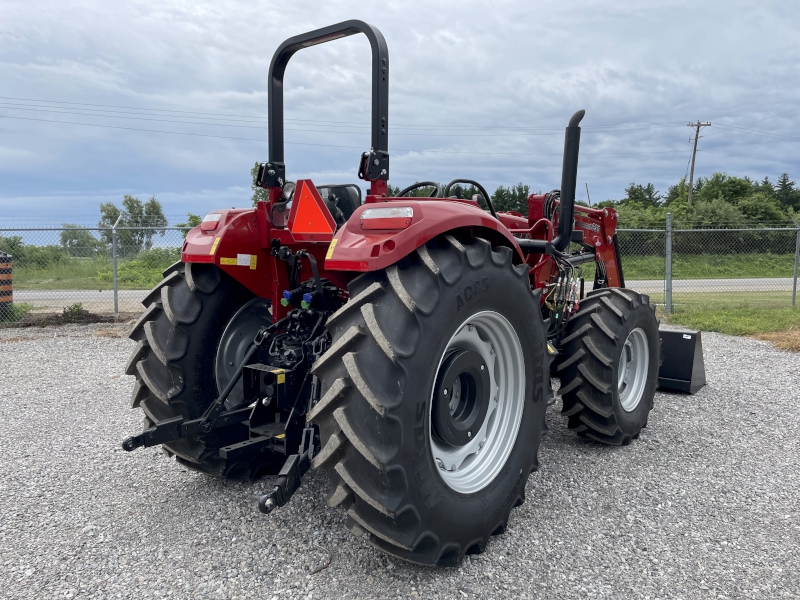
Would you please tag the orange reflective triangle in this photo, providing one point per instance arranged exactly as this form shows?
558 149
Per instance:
309 215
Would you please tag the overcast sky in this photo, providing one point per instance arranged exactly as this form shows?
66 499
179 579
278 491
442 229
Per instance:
478 89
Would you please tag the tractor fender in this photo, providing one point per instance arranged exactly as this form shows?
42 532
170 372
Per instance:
356 248
234 245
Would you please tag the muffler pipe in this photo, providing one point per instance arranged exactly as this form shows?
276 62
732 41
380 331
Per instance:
569 178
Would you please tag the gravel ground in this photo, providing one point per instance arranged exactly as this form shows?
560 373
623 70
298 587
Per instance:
703 505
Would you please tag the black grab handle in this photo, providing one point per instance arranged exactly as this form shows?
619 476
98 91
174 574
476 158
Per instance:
380 81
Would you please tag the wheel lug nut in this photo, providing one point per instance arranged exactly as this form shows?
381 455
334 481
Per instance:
445 391
483 367
469 434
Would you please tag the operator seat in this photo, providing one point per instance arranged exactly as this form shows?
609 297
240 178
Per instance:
341 199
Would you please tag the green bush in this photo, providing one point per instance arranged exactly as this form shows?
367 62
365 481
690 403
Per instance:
14 312
144 270
34 257
74 312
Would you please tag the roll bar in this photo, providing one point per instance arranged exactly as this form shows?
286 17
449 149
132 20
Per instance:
275 174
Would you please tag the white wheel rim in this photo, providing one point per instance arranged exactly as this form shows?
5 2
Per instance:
632 371
470 468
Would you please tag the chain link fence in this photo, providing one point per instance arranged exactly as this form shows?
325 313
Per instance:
712 268
71 271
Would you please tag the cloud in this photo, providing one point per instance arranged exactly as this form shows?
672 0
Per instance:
478 89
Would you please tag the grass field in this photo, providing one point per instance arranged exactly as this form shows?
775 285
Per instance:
69 275
705 266
81 274
737 314
740 321
142 272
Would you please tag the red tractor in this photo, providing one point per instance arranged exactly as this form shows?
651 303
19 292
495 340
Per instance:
403 344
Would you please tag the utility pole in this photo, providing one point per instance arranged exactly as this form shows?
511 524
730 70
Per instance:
697 127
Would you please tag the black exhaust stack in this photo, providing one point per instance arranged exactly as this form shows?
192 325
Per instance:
569 178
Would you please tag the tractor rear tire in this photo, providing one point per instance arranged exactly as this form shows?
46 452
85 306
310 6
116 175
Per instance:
381 416
178 338
609 370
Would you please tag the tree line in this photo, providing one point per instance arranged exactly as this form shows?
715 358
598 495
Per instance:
137 223
721 199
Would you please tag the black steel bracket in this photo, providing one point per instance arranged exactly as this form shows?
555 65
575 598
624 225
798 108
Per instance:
290 476
176 428
214 417
271 174
374 166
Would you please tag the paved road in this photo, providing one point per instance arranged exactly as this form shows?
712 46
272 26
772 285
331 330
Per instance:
130 300
775 284
703 505
97 301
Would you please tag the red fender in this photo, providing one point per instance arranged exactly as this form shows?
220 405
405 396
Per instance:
354 248
235 247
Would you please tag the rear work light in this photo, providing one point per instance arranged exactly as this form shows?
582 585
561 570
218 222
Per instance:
395 217
210 221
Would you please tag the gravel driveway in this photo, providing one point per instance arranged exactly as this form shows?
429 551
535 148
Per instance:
704 505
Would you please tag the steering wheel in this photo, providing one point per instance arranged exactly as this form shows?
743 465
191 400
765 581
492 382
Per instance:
436 193
486 196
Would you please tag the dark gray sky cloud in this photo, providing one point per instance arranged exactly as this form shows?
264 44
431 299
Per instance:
478 89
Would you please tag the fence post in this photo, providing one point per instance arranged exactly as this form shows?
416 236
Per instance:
796 263
668 271
114 252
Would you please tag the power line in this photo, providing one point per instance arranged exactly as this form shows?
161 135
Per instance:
416 150
326 145
776 115
557 128
760 132
783 162
144 118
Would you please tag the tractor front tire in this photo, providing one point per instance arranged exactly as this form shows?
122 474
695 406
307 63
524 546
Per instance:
609 366
433 398
178 339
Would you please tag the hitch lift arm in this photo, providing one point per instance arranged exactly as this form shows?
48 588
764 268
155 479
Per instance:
173 429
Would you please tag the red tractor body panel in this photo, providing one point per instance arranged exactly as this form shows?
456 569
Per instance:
242 240
359 247
235 247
